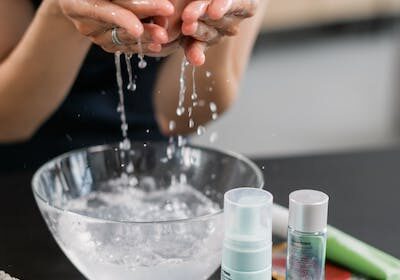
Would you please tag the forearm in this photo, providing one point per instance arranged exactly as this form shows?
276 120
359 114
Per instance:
226 62
38 73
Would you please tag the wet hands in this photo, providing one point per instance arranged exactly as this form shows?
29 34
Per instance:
161 25
206 22
95 19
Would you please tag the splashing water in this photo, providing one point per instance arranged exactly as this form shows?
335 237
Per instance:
201 130
182 87
172 125
121 105
213 109
125 145
132 83
142 63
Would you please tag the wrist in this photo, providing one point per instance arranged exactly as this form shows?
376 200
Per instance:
51 8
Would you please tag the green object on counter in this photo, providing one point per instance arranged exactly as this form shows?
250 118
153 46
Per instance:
361 257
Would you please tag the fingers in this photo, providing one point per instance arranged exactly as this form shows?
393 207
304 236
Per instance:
218 8
147 8
104 11
152 34
243 8
195 51
201 32
194 11
228 25
150 49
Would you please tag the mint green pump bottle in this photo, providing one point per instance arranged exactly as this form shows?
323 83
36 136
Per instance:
248 235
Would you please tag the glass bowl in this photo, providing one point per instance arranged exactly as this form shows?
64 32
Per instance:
153 212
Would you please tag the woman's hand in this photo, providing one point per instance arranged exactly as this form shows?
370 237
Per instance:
206 22
95 19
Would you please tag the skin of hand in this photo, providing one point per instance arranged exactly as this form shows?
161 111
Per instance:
226 61
95 19
206 22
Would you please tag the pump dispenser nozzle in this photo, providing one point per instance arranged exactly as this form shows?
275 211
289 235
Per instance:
248 234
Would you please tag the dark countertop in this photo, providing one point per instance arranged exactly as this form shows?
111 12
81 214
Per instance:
364 189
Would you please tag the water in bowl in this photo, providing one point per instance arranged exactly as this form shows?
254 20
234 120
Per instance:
141 249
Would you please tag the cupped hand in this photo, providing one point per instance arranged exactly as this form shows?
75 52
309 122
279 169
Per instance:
95 19
206 22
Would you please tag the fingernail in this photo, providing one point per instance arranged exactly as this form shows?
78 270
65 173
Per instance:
155 47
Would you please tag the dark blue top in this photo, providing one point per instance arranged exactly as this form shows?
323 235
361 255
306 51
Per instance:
88 116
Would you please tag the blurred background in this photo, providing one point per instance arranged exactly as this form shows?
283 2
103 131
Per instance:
324 77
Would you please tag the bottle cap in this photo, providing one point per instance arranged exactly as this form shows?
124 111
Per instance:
248 215
308 211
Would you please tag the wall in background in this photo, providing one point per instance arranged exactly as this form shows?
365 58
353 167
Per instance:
317 95
287 14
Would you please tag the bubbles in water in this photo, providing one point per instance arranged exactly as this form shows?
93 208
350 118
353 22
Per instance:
147 131
208 74
201 130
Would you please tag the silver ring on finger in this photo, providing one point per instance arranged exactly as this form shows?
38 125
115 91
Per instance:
114 37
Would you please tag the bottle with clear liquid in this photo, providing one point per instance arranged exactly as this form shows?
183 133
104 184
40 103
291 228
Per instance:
308 213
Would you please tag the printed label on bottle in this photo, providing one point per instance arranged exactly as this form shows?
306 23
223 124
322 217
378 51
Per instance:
306 256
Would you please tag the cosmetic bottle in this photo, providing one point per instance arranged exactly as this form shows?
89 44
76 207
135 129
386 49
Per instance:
308 214
247 247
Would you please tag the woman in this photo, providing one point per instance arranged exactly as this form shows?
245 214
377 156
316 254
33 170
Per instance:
57 84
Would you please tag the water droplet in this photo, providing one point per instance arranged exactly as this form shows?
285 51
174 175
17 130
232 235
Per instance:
213 137
131 87
210 89
213 107
191 123
201 130
142 63
172 125
208 74
194 96
125 145
130 167
124 126
180 111
214 116
190 111
147 131
170 151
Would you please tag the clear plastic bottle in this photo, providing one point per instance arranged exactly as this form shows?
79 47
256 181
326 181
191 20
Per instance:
308 214
248 235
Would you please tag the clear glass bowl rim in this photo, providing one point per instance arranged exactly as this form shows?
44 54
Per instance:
100 148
